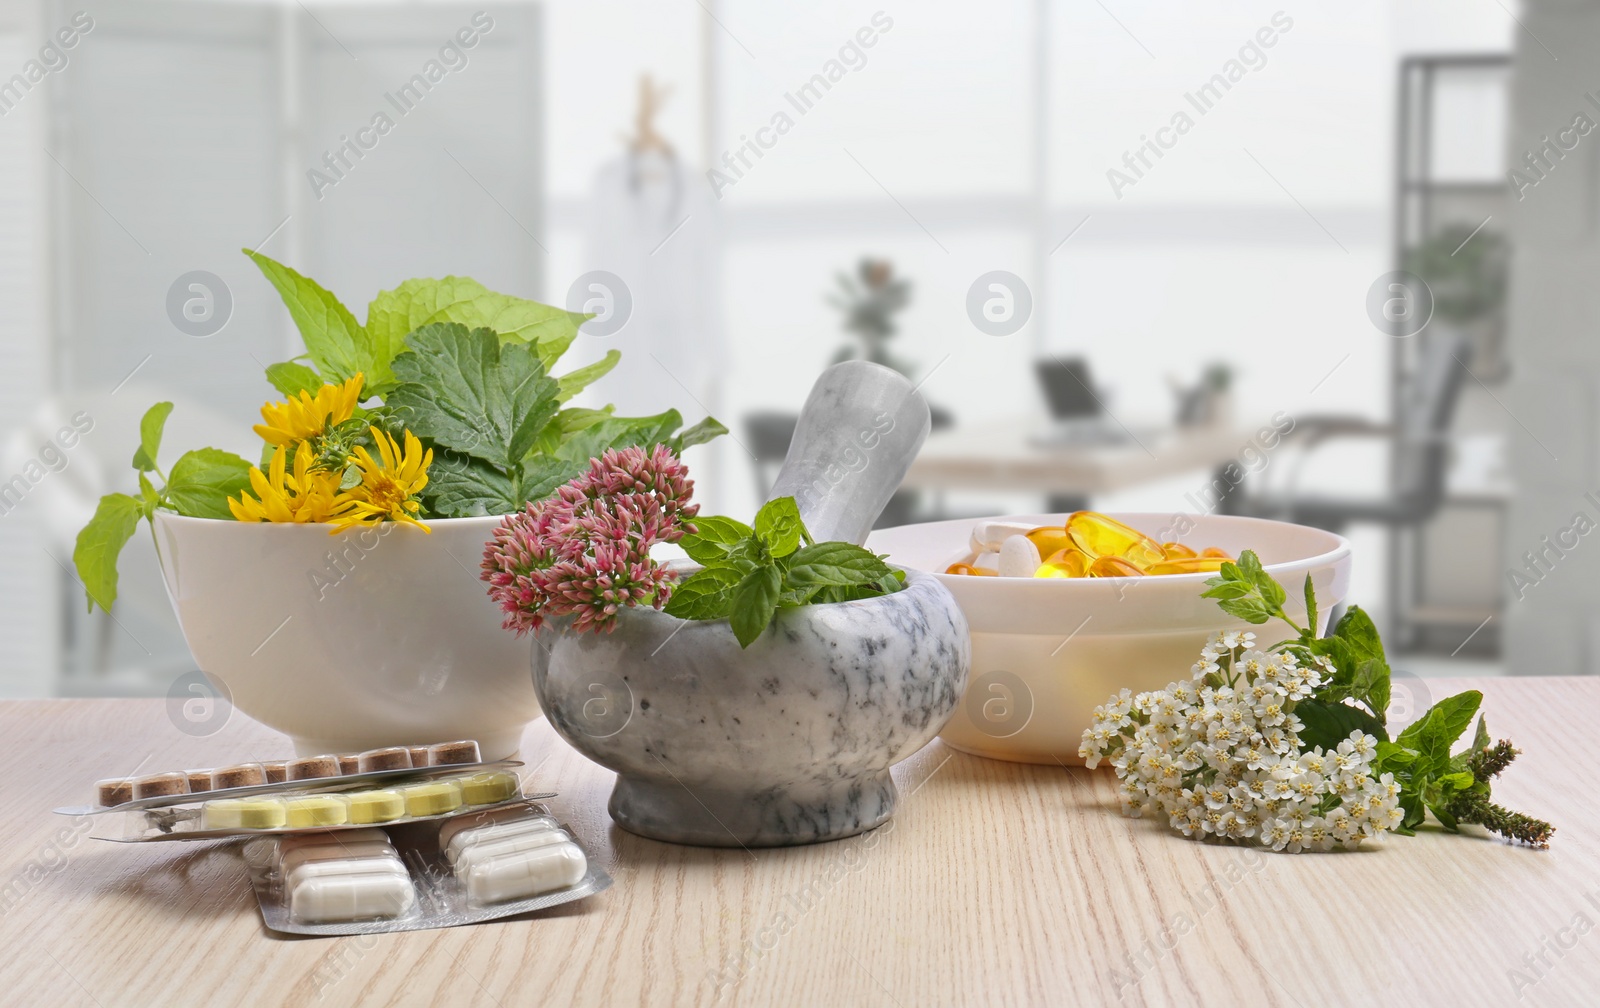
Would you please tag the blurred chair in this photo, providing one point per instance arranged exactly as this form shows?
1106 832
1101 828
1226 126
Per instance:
1419 444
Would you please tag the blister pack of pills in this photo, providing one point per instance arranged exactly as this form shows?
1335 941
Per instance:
477 866
335 771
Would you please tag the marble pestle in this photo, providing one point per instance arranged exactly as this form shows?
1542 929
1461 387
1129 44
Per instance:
861 427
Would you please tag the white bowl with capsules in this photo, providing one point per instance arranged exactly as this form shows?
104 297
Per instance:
1046 651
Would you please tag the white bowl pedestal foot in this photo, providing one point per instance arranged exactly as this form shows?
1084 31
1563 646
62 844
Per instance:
663 809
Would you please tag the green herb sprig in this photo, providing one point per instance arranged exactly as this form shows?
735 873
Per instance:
748 574
1455 789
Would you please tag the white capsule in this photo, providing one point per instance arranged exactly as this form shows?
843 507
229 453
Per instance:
987 536
1019 557
525 873
989 560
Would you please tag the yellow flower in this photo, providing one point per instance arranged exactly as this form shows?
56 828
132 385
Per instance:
306 495
305 416
389 486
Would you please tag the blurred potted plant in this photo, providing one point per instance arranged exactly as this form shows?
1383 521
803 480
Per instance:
869 301
1468 274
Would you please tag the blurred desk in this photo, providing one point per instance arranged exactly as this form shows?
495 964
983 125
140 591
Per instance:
1002 457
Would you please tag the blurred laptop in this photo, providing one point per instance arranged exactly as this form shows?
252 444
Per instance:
1076 414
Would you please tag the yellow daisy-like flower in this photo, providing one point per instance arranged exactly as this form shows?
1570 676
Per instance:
389 485
305 495
306 416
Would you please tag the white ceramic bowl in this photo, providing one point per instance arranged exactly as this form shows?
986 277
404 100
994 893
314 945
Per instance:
1046 651
352 641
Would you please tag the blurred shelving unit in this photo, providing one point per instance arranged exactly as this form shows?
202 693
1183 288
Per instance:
1445 579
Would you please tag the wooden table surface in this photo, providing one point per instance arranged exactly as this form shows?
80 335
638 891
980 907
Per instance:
995 884
1001 456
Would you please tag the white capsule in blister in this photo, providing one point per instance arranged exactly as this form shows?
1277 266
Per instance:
371 896
1019 557
526 873
364 866
474 854
497 831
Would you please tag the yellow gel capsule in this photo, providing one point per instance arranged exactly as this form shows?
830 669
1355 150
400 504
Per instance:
432 799
315 810
1212 551
961 568
1177 551
1189 565
1049 539
1113 566
1070 560
375 806
1100 536
489 788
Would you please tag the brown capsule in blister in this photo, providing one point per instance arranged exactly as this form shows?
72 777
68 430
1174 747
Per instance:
241 775
312 767
161 785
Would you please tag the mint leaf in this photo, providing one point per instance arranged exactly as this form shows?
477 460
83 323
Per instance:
713 538
462 390
574 382
335 340
291 378
1328 724
707 594
1436 731
1481 739
1249 609
832 564
755 599
204 479
100 543
150 428
778 526
395 314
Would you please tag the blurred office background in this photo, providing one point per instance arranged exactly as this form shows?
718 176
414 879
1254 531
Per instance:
1234 270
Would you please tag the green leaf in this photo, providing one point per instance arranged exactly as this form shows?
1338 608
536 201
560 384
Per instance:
541 477
1272 592
460 486
1311 607
755 599
148 497
1328 724
150 428
1370 685
291 378
335 340
574 382
1436 731
707 594
1392 757
706 430
713 538
1250 610
395 314
831 564
1226 590
202 481
1481 739
778 526
621 432
462 390
100 543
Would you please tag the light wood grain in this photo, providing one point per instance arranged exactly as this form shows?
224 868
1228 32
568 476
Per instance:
997 884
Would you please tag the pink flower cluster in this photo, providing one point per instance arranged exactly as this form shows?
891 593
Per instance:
585 551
